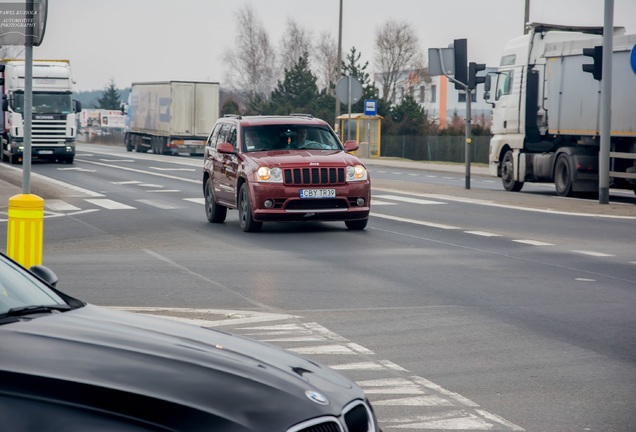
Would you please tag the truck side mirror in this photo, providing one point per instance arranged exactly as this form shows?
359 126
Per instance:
5 103
487 83
77 106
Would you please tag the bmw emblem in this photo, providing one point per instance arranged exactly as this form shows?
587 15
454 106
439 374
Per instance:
316 397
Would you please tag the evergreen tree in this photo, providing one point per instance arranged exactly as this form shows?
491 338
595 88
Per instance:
409 117
298 90
111 99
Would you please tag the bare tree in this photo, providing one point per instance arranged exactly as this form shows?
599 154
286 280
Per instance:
251 66
326 55
296 41
397 51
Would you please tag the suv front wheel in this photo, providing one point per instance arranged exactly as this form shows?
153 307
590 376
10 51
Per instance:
246 221
215 213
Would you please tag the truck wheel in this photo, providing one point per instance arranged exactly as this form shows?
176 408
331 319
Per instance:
507 174
563 176
215 213
246 221
357 225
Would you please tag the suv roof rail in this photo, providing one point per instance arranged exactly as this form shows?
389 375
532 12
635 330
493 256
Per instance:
236 116
301 115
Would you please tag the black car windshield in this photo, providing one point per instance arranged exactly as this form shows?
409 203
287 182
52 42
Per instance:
18 288
288 137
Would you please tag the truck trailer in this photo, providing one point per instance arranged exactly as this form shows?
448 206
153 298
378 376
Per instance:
54 112
546 111
171 117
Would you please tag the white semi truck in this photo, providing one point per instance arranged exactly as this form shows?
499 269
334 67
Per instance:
171 117
54 112
546 111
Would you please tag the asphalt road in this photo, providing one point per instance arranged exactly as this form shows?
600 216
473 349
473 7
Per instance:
456 309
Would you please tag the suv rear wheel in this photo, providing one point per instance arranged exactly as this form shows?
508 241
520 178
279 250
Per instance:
215 213
246 221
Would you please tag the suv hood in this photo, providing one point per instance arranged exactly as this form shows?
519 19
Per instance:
86 356
291 158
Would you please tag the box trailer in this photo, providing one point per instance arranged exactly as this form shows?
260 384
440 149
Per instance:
171 117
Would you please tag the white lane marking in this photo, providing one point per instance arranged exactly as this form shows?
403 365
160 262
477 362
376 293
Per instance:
392 366
232 316
585 280
127 182
163 190
115 160
408 200
592 253
375 202
416 222
172 169
534 242
483 233
75 169
323 349
448 420
430 400
59 205
494 204
196 200
360 348
150 185
109 204
143 172
360 366
294 339
158 204
439 389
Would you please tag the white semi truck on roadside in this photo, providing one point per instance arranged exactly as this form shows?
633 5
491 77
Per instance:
171 117
54 112
546 111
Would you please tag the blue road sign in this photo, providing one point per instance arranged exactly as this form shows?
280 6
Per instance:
632 59
370 107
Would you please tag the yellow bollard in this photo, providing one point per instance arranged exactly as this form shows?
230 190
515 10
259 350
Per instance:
25 229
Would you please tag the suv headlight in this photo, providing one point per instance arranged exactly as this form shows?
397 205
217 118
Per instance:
356 173
270 175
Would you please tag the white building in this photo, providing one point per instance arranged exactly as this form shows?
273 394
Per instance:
438 97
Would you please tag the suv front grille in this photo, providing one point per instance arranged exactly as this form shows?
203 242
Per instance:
314 176
357 417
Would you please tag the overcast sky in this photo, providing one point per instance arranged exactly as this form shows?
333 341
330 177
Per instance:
157 40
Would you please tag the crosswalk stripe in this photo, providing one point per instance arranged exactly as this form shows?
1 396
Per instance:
157 203
109 204
59 205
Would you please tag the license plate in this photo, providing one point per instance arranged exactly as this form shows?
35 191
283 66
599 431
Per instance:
45 152
317 193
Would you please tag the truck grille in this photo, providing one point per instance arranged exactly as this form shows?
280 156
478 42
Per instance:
48 132
314 176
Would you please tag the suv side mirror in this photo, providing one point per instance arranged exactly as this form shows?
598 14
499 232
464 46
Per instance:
225 148
351 145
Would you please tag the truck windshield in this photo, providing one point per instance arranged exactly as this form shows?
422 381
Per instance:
45 103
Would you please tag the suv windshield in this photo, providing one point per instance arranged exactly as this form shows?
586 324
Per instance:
288 137
18 288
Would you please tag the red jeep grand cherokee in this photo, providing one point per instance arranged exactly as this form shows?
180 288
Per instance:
283 168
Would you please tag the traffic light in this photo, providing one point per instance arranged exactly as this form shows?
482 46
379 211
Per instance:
460 51
596 69
473 79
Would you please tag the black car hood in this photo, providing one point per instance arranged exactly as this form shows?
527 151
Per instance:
95 354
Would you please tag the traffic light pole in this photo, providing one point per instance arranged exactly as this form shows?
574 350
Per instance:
606 103
468 135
